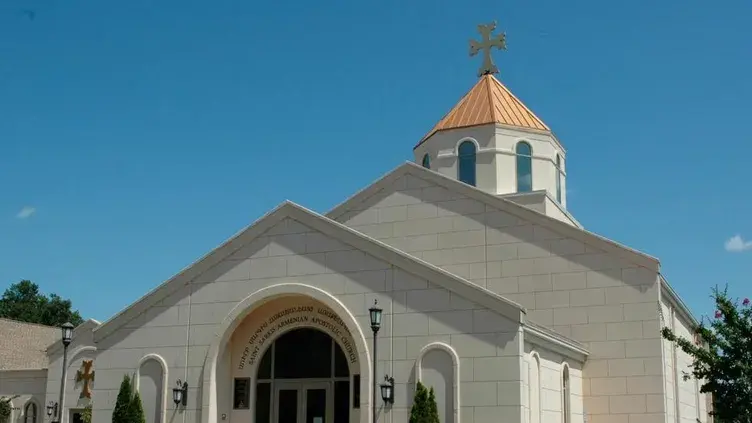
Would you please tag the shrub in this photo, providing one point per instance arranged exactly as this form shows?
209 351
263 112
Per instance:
424 408
6 408
122 413
137 410
86 415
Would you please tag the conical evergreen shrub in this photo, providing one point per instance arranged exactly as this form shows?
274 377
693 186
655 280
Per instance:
433 408
419 411
137 410
425 409
121 413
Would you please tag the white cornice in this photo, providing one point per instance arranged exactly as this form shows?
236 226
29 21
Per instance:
676 302
553 341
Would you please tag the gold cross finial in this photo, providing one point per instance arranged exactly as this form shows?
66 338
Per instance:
486 43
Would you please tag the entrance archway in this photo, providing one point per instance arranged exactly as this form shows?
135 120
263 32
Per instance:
303 377
254 324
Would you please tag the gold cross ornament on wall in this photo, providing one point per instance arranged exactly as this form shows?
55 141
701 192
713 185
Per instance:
486 43
86 376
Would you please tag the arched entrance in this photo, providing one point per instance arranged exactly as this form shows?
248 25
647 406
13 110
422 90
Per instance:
256 329
303 377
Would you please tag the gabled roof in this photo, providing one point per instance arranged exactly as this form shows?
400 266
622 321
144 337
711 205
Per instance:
498 203
342 233
23 345
489 101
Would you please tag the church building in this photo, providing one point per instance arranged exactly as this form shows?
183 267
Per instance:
462 270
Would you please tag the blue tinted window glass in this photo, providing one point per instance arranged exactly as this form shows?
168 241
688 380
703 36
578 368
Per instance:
427 161
524 167
466 163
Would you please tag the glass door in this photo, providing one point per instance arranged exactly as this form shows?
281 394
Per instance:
303 402
287 398
318 404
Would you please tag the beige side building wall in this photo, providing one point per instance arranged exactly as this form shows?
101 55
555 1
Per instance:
30 386
683 397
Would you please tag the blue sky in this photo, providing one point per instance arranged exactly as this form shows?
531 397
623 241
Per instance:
139 135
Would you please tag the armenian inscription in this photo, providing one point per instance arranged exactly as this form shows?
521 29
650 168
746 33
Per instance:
303 315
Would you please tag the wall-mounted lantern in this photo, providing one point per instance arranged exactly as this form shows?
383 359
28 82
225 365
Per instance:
51 408
387 390
180 393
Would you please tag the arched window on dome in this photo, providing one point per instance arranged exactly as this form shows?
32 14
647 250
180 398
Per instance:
524 167
558 178
466 162
427 161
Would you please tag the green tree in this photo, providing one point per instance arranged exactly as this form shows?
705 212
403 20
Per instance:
424 408
433 409
122 411
6 408
721 353
24 302
137 410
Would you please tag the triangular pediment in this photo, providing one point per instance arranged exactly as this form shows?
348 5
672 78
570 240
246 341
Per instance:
289 213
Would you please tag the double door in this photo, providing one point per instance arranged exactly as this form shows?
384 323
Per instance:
303 402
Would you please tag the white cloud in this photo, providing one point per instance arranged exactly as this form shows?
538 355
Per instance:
737 244
26 212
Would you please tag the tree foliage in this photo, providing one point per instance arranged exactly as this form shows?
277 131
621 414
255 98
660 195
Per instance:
722 358
424 408
122 411
6 408
24 302
86 414
137 409
433 409
128 406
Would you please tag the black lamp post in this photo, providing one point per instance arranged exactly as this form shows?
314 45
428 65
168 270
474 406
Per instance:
375 313
67 333
387 390
180 393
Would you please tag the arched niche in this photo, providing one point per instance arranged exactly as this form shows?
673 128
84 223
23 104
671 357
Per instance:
151 383
438 367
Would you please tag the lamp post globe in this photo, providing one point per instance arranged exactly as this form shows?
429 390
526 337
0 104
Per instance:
375 314
67 337
67 329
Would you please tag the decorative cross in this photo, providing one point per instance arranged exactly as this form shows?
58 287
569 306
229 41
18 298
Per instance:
86 376
487 42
